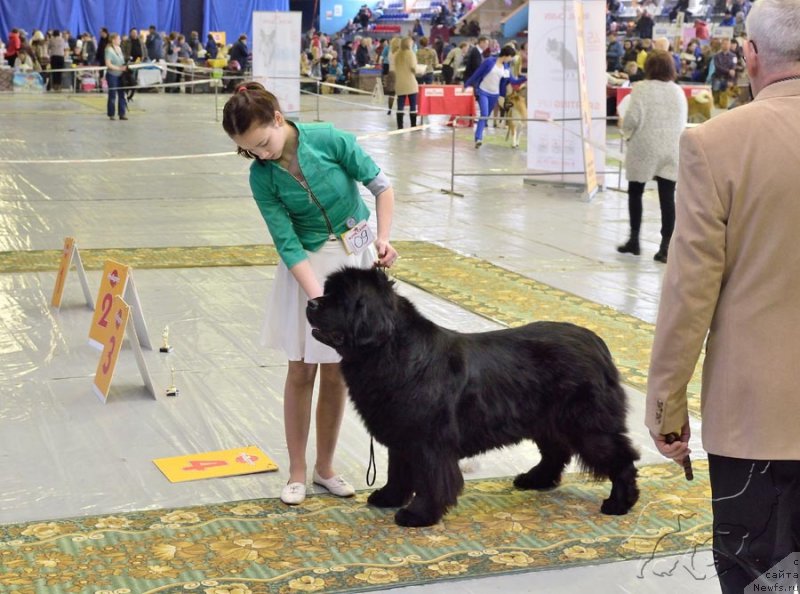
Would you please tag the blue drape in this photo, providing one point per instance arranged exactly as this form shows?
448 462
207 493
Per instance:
236 18
78 16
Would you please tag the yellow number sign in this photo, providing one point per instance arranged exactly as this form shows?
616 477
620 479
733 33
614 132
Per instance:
66 261
118 321
246 460
113 283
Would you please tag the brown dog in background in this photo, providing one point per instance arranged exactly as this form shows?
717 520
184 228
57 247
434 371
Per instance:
517 112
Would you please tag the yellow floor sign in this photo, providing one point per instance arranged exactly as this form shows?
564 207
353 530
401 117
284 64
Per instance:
246 460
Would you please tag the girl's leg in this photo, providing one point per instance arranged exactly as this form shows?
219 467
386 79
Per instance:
483 106
401 105
111 98
123 103
493 100
330 411
297 394
412 109
635 192
666 199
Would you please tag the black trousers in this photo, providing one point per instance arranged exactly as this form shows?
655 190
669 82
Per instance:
756 505
56 63
666 198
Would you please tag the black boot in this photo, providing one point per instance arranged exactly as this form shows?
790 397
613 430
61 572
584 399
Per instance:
400 120
413 117
631 246
661 254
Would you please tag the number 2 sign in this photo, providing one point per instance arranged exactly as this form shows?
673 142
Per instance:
117 319
113 284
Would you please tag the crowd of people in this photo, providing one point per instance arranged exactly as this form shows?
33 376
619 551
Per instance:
50 52
702 59
406 62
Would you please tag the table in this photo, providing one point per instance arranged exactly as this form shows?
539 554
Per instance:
452 100
698 110
148 74
689 90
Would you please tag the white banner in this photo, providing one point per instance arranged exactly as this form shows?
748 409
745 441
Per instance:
553 90
276 55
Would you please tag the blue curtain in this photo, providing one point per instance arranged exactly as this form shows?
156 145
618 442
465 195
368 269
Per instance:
78 16
236 18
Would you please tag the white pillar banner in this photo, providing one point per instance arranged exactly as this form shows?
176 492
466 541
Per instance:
553 90
276 55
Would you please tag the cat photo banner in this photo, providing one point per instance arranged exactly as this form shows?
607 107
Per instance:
554 90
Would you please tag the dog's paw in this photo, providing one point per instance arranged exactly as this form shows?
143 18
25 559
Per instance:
387 498
535 480
612 507
407 518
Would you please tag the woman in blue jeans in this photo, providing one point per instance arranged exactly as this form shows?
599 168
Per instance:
115 66
490 81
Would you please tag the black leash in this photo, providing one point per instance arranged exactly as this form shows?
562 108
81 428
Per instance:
371 467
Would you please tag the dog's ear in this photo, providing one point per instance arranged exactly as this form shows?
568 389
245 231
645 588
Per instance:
382 279
374 317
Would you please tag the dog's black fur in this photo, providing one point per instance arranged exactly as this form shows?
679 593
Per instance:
433 396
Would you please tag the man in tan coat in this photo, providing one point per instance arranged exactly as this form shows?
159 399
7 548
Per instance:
733 281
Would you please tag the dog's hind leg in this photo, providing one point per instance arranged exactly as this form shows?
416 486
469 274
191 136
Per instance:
612 455
547 473
437 484
398 488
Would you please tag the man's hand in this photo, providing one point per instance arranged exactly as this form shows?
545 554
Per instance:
679 449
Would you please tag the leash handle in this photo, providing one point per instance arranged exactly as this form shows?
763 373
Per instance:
687 461
372 468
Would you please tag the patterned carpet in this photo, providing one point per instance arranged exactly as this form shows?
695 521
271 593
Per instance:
473 284
334 545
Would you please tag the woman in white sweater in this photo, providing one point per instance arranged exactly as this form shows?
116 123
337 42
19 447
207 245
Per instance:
652 125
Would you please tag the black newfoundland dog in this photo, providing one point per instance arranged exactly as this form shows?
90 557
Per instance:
433 396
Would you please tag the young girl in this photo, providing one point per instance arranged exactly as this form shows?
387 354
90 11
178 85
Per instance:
304 182
115 66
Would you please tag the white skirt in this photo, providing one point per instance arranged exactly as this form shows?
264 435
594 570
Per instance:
285 326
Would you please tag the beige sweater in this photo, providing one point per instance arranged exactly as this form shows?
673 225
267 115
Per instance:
405 69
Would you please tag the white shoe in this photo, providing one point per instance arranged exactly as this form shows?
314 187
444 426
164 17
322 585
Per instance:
336 485
293 494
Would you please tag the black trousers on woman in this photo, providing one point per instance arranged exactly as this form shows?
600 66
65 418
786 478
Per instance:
756 505
56 63
666 198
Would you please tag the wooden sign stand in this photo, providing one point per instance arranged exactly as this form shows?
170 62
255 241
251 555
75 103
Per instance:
70 254
117 281
119 327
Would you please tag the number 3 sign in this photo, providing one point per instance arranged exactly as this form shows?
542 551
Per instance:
113 284
117 321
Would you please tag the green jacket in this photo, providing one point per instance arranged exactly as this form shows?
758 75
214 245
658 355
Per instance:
331 162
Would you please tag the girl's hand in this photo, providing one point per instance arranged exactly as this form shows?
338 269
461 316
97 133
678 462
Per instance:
387 255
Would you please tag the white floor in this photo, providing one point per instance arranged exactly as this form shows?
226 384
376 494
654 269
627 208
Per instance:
62 453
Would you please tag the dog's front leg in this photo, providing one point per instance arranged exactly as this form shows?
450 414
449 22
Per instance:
399 486
437 484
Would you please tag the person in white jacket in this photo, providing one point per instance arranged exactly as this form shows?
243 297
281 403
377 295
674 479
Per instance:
653 122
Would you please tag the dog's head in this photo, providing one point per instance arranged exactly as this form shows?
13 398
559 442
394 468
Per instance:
357 310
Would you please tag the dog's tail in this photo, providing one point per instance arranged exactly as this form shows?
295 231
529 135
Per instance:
611 372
